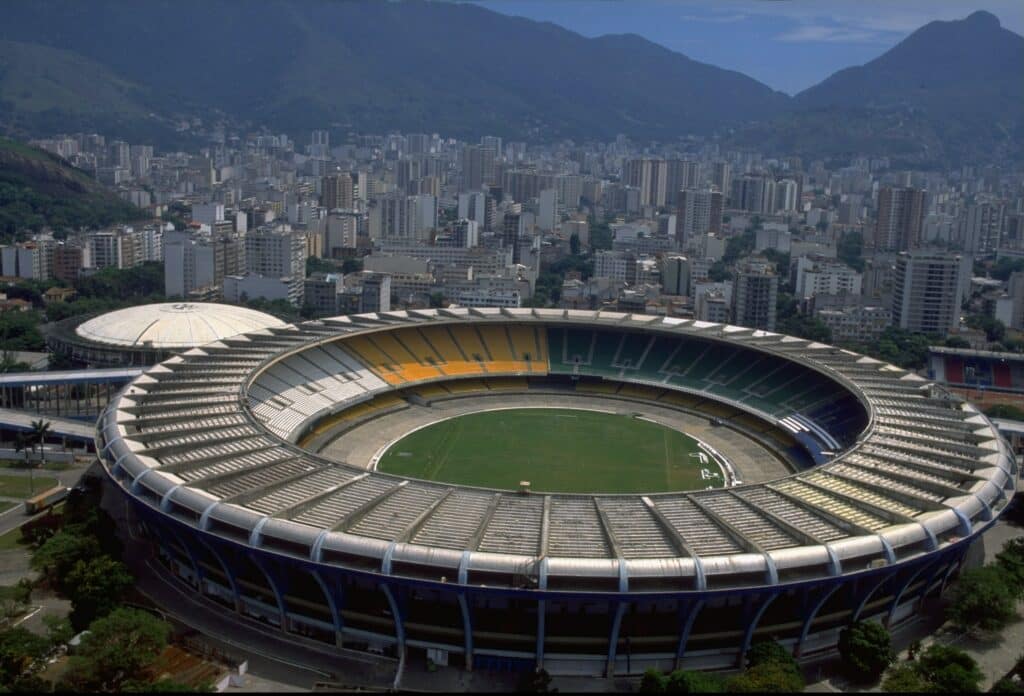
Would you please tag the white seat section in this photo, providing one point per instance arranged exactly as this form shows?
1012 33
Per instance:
295 390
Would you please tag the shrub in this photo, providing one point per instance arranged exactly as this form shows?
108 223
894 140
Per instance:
686 682
653 682
904 679
949 669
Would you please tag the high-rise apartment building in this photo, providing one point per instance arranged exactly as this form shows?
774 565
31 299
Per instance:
477 167
900 219
649 177
376 292
337 192
698 213
754 295
926 292
754 193
675 275
680 175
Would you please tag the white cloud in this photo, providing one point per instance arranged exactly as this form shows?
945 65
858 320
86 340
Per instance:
714 18
819 33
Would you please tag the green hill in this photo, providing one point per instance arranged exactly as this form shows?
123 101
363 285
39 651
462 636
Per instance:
39 190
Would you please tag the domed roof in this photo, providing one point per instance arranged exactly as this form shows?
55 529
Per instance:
173 325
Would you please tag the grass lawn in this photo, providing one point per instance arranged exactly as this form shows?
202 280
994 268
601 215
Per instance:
18 486
11 540
556 450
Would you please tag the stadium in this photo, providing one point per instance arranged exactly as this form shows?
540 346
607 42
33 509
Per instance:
404 483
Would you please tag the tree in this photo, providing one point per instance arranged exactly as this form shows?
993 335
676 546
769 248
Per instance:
96 587
20 649
1011 560
771 669
59 554
653 682
536 682
116 649
766 678
58 629
904 679
574 244
40 429
683 681
315 264
957 342
866 649
983 598
949 670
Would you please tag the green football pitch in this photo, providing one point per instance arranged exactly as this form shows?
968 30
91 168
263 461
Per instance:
557 451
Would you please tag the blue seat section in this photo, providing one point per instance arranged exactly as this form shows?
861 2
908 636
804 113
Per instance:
774 386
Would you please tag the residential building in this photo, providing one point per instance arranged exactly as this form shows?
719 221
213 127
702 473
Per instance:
900 219
754 296
926 292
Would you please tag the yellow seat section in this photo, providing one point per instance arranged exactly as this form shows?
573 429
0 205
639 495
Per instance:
413 340
453 362
379 404
465 386
408 366
499 346
528 343
375 359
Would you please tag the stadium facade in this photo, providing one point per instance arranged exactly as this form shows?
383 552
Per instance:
206 451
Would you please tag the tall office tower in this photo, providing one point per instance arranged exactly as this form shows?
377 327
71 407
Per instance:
900 219
721 176
698 213
337 192
320 145
493 143
675 276
511 232
786 196
649 176
376 293
754 296
477 167
981 226
417 143
926 292
753 193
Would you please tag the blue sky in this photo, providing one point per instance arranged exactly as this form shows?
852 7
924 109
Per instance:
787 44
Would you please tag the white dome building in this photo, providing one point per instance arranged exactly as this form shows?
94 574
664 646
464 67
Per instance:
148 334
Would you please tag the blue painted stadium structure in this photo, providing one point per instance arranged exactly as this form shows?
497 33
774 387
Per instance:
901 479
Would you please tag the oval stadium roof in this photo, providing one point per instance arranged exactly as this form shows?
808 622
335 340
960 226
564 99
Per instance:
173 324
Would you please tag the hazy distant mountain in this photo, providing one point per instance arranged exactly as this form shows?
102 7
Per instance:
456 68
950 90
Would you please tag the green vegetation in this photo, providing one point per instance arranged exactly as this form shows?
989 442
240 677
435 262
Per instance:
116 649
77 553
1004 267
899 347
770 669
12 486
986 598
866 650
849 249
558 450
983 598
39 190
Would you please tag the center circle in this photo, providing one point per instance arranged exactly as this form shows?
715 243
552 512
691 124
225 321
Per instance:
558 450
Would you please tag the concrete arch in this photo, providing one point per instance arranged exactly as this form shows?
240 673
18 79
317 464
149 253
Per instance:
752 626
805 629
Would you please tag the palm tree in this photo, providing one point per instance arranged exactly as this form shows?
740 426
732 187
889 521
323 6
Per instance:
40 429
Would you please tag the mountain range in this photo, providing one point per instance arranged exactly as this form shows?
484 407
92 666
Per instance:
950 91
